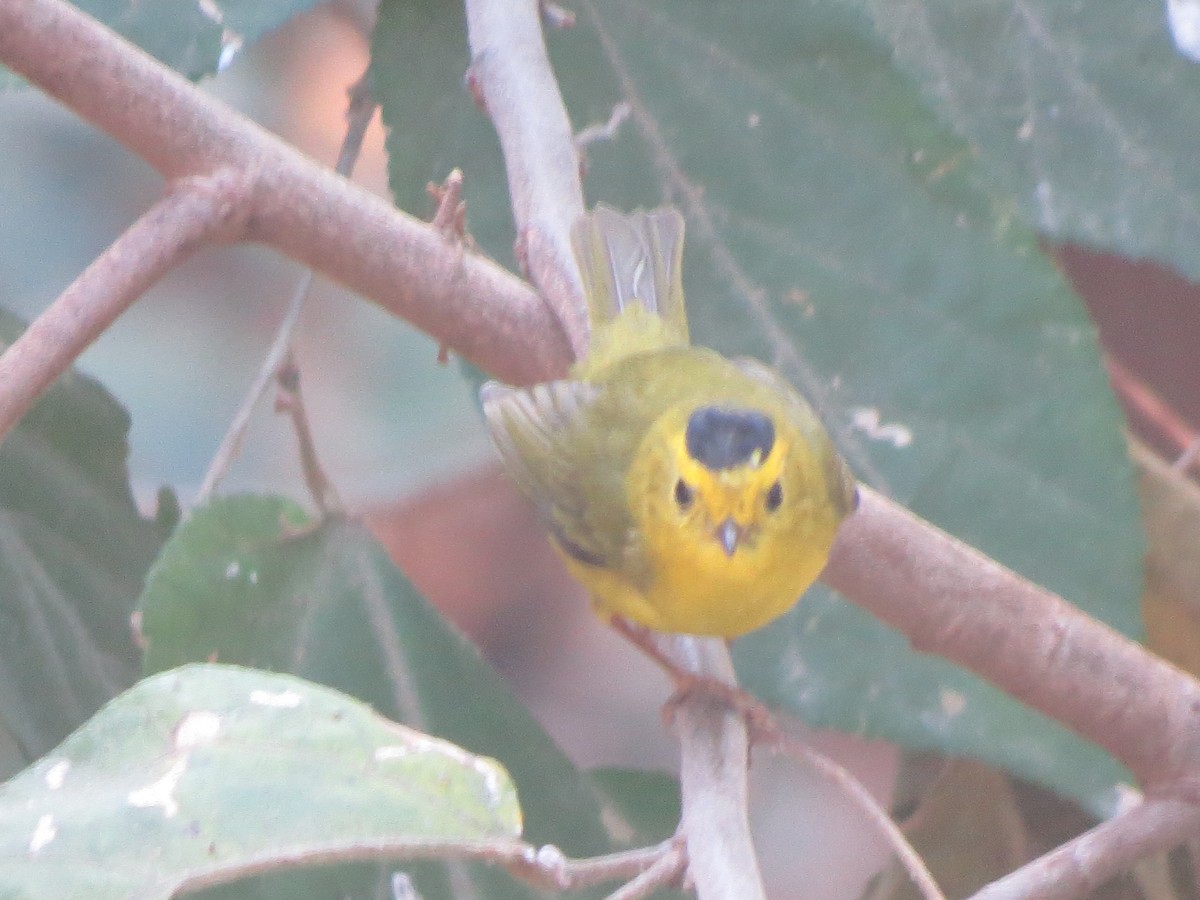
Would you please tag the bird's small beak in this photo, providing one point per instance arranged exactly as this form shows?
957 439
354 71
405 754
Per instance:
728 534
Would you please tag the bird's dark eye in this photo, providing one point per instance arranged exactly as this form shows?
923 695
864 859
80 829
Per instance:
774 497
684 495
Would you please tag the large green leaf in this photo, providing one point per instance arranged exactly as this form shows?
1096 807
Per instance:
1084 114
203 772
838 230
246 581
73 551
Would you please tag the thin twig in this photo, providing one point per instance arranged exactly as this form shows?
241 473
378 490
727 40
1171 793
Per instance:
667 871
511 73
1082 865
1157 411
193 211
858 794
543 866
235 434
450 216
604 131
549 868
359 112
290 401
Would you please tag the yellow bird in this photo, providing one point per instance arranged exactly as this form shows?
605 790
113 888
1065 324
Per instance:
687 492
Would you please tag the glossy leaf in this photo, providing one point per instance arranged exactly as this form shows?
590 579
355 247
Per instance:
206 771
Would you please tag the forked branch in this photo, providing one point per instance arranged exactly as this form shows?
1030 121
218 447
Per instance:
302 209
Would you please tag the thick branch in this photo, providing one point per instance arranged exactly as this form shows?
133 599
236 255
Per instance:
950 599
193 211
302 209
713 766
511 74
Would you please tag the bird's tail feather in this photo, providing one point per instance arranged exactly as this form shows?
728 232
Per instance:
631 265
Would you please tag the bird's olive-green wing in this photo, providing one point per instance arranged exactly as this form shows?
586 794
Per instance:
840 481
549 440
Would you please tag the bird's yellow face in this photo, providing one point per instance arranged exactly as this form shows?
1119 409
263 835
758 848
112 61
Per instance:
727 488
727 520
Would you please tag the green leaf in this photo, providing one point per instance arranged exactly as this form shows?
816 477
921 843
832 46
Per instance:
73 551
207 771
419 55
242 582
194 38
837 229
201 596
1084 115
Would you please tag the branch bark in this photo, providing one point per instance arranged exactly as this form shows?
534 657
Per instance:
298 207
511 75
713 780
950 599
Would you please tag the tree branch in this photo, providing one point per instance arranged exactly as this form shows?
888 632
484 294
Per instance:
545 866
950 599
856 792
359 112
292 204
713 768
194 210
511 74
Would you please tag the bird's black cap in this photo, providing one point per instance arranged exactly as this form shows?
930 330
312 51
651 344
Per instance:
727 438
